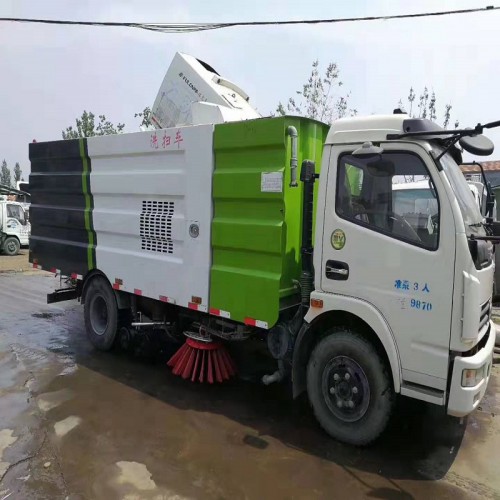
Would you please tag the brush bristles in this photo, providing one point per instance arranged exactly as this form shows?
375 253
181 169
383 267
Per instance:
202 362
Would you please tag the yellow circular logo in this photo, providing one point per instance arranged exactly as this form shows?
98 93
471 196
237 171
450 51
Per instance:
338 239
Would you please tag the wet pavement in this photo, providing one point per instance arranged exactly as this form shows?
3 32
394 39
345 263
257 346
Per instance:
80 424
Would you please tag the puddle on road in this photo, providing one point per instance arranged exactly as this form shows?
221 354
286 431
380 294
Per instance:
47 315
8 370
131 427
71 368
28 358
50 400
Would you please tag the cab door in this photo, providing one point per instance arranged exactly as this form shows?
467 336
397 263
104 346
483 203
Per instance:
395 258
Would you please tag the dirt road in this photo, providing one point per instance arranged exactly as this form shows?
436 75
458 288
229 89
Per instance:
16 263
80 424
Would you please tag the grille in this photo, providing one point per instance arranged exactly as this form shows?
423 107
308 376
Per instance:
484 315
156 226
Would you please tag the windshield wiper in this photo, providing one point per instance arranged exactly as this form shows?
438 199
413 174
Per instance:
451 137
478 129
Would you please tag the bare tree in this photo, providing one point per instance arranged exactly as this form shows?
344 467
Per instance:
321 97
427 107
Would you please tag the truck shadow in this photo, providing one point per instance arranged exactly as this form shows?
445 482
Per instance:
420 443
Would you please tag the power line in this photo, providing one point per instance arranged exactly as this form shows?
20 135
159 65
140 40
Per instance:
194 27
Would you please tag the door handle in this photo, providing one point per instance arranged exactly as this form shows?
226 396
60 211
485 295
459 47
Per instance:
343 272
336 270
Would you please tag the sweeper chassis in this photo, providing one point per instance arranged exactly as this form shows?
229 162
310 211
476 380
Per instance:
141 324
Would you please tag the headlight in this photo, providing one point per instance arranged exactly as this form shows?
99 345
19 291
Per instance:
470 378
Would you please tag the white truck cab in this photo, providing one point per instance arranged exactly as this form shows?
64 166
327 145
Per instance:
417 270
15 228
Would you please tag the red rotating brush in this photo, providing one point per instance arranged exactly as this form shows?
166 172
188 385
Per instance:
202 361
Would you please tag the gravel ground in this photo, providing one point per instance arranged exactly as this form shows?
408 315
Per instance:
18 263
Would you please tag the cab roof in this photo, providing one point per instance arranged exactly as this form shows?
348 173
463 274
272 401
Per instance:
375 128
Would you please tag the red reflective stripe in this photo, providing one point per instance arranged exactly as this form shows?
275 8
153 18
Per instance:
116 286
256 322
74 276
163 298
193 306
219 312
139 292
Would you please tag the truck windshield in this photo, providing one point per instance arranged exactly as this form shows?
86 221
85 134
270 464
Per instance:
468 205
16 212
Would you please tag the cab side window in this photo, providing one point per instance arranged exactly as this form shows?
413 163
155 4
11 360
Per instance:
391 193
15 212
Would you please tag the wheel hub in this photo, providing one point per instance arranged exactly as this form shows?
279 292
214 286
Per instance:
99 315
346 389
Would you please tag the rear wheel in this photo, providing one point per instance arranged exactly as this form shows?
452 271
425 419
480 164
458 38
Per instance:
101 314
11 246
349 387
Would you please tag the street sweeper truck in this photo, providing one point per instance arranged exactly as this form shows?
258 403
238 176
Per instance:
224 230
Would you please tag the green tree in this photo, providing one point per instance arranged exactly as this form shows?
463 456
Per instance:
86 127
425 107
145 115
5 177
321 97
17 173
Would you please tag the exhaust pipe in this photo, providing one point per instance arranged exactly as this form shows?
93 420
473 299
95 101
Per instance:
292 132
308 176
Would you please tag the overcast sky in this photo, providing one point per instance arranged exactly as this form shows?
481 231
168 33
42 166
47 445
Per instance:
50 74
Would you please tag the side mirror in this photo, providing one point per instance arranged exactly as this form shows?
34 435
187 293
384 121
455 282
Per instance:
478 145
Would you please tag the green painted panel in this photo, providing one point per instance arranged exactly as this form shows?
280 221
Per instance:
256 235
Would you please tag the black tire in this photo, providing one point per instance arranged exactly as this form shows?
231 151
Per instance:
11 246
101 314
349 388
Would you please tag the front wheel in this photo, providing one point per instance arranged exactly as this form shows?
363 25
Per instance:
349 387
101 314
11 246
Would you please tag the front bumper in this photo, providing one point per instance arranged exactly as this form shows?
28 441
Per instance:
463 400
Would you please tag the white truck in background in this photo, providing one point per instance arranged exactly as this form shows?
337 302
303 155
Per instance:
14 227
